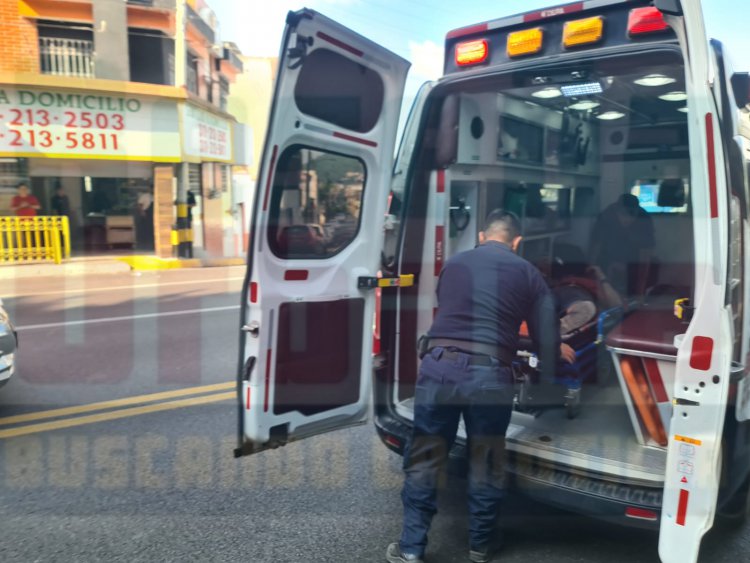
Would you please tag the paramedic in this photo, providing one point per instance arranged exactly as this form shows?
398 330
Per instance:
483 296
623 243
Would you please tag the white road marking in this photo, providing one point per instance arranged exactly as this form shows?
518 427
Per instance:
82 289
129 317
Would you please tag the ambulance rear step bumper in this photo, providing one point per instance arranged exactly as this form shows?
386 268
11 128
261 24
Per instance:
625 504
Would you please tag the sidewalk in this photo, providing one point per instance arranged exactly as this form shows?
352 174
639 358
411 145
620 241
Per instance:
110 265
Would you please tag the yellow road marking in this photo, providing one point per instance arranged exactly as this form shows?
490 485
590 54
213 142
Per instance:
54 413
114 415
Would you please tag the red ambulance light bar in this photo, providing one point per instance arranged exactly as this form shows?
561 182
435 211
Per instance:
552 12
472 52
646 20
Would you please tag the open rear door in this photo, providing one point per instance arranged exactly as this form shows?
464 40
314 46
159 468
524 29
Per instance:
317 232
693 470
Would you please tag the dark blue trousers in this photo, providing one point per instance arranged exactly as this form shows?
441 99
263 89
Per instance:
447 389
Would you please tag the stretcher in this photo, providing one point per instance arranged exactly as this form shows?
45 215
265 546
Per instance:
533 395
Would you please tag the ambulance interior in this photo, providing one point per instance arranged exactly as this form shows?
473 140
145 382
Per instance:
557 148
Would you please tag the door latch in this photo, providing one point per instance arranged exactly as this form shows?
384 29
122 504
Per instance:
404 280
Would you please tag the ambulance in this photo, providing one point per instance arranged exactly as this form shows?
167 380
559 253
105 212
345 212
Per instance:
553 114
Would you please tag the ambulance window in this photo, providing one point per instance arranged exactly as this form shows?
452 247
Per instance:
315 203
339 90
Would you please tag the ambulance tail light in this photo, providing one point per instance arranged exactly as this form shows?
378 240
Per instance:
525 42
472 52
393 442
583 32
646 20
641 514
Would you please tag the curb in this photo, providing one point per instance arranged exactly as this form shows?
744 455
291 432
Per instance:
117 265
147 263
21 271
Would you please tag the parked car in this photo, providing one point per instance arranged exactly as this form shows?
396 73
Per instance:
298 240
8 345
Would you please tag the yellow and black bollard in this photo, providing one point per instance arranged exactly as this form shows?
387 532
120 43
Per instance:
184 232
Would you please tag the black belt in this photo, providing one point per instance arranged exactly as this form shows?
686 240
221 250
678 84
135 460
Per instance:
479 349
472 359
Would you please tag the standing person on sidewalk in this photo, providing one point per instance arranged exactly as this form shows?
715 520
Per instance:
60 202
24 204
483 296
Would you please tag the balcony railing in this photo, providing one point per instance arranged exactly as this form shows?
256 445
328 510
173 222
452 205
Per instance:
66 57
191 80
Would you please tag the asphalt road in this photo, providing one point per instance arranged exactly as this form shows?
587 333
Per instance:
117 431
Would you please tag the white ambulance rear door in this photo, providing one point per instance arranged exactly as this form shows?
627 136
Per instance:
317 232
704 352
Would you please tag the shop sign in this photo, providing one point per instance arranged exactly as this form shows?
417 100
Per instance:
76 124
206 136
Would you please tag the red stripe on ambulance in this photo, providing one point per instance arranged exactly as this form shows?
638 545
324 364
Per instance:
441 181
469 30
682 507
268 380
711 155
340 44
355 139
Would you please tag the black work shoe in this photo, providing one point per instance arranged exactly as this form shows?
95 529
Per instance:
394 555
484 555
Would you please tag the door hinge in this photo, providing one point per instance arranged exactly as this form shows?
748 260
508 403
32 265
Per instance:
404 280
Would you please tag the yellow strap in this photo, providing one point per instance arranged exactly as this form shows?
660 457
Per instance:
404 280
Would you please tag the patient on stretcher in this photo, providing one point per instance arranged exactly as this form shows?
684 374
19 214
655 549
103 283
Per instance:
581 291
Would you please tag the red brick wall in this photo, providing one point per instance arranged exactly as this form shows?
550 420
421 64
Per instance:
19 48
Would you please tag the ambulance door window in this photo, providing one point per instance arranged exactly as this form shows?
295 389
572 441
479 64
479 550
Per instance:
339 91
315 204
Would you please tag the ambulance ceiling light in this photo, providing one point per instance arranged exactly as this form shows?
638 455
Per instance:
655 80
610 115
683 109
546 93
584 89
674 97
584 105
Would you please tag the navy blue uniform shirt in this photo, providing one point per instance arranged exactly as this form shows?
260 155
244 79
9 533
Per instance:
484 295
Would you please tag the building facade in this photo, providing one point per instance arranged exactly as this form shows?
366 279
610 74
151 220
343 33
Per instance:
250 102
122 105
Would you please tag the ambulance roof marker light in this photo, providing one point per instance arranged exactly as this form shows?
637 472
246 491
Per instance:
472 52
583 32
526 42
646 20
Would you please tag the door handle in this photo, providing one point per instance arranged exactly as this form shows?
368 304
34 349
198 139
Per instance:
404 280
252 328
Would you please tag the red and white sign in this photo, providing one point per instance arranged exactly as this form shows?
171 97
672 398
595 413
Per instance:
85 124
